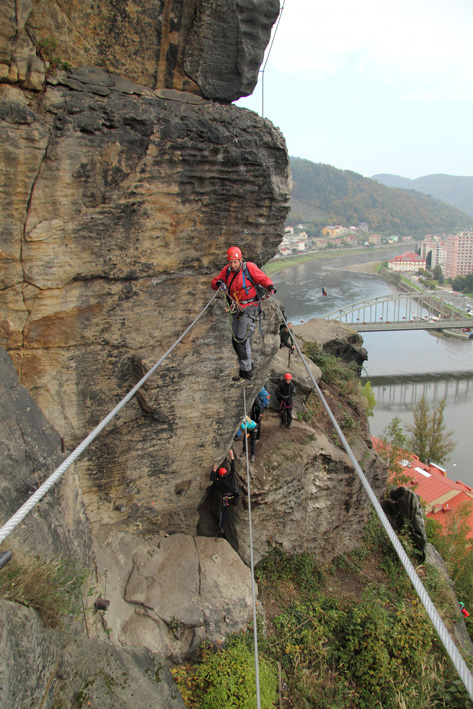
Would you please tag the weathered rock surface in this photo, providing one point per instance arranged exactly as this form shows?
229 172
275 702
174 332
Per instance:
169 594
43 668
334 338
30 449
306 495
127 206
214 49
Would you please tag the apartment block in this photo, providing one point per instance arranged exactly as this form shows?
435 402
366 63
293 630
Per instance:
459 254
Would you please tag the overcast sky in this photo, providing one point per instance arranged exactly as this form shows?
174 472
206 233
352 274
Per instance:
374 85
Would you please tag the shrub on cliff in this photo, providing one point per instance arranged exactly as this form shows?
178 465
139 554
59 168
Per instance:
227 678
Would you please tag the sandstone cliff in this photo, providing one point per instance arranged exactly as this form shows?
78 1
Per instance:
124 208
213 49
123 185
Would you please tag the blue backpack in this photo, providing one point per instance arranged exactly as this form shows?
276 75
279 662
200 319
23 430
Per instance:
264 396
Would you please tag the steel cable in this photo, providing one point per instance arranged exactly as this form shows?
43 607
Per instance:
10 525
452 650
252 563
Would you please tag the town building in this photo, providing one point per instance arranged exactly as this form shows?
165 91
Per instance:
438 247
459 260
439 494
337 230
407 262
374 239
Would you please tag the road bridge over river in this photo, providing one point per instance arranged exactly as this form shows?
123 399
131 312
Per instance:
405 311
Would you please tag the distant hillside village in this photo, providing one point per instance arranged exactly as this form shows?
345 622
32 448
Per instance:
452 252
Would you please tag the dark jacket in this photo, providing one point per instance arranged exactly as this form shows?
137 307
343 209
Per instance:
226 484
285 337
285 392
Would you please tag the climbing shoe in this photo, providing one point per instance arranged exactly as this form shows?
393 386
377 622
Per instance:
252 459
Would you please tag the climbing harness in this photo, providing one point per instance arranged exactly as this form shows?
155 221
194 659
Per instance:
452 650
10 525
234 303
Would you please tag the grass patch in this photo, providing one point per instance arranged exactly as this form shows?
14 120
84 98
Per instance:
51 588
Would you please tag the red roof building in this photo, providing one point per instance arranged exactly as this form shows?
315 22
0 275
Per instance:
408 261
440 494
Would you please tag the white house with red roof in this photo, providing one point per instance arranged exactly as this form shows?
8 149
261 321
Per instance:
440 495
408 261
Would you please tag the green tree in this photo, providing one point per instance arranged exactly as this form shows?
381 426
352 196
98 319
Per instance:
437 273
429 439
457 283
441 443
369 398
453 543
392 450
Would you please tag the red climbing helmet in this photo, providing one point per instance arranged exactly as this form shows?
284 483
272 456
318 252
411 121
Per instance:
222 471
288 377
234 252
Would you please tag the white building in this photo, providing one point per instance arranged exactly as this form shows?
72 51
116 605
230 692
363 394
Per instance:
407 262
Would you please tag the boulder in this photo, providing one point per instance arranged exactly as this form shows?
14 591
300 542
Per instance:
170 593
334 338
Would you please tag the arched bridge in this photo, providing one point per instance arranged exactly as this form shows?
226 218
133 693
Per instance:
405 311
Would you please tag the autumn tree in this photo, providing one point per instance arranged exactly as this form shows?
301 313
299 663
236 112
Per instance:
429 439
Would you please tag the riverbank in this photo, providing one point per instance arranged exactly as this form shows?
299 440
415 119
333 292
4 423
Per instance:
282 262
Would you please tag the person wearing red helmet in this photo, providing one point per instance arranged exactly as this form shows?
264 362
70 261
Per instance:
239 279
225 490
285 395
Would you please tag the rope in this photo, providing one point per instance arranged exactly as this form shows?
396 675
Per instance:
10 525
452 650
252 567
261 71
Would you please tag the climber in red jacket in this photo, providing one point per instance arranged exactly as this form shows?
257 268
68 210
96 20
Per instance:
240 281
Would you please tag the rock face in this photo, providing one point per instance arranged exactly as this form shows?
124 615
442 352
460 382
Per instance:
213 49
306 494
124 210
170 594
49 669
334 338
29 449
122 188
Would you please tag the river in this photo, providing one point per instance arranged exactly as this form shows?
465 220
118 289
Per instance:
401 365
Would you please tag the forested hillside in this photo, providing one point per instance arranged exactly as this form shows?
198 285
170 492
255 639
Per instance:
324 195
455 190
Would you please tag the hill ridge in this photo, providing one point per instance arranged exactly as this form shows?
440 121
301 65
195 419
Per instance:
323 194
455 190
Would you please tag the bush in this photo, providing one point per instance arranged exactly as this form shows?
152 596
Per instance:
278 567
227 678
334 370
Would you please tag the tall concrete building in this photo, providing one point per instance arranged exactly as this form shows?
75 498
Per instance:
438 247
459 254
